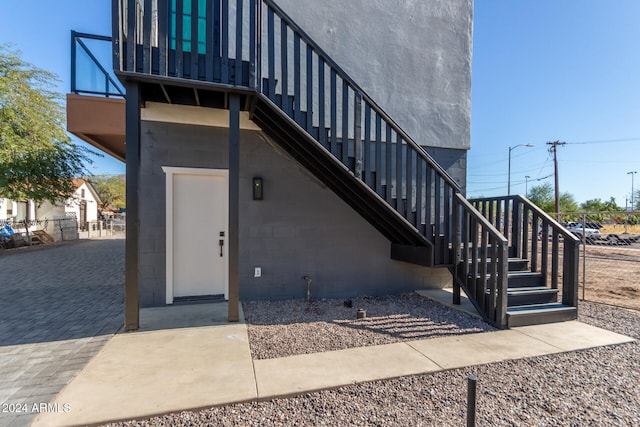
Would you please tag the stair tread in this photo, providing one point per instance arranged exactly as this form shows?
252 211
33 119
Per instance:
531 290
517 274
539 308
525 273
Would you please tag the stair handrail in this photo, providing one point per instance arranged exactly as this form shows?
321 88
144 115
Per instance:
346 77
487 294
527 226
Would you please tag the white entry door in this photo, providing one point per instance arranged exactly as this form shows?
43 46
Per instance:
197 235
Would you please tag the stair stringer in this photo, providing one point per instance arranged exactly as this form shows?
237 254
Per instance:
322 164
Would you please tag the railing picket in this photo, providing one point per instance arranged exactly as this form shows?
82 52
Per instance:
409 185
217 41
516 226
534 243
437 225
253 44
132 37
447 224
297 91
501 297
507 220
466 239
492 217
334 112
419 193
211 41
544 268
399 176
146 38
117 31
322 131
482 274
525 232
271 61
357 135
554 259
388 178
368 172
193 71
379 170
239 39
493 275
345 123
476 293
284 69
224 41
428 219
309 124
179 39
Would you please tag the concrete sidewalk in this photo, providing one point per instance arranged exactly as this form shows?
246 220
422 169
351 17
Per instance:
186 357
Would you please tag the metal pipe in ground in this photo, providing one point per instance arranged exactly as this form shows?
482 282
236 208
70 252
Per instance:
472 381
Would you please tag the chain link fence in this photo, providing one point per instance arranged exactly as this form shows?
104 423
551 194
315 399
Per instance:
609 271
16 233
103 228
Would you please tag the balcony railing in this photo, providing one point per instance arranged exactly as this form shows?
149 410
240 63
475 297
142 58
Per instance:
206 40
89 74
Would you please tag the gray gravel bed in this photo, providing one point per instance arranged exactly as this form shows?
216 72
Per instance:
595 387
285 328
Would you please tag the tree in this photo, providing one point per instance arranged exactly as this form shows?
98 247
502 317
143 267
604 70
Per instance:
596 205
543 196
111 189
37 158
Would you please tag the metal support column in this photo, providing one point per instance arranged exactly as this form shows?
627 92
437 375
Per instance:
131 291
234 206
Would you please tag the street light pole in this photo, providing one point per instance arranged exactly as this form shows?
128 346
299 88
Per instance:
632 173
526 185
509 171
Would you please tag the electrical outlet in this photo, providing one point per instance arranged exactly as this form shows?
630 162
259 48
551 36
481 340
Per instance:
257 272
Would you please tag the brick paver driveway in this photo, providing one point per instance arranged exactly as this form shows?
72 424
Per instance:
59 305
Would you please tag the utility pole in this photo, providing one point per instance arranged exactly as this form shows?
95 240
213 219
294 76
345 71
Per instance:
632 173
553 148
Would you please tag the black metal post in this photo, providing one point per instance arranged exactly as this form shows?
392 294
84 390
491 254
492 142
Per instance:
73 61
131 295
234 205
471 400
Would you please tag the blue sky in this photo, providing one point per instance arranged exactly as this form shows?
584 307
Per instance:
548 70
543 70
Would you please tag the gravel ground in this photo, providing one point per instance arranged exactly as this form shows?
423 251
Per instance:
285 328
596 387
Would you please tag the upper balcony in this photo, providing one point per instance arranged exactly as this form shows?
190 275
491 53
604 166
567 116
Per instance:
95 105
176 45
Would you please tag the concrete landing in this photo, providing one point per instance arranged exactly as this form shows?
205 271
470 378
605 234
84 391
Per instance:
445 297
157 371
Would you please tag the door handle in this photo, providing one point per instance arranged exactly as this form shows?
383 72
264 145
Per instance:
221 243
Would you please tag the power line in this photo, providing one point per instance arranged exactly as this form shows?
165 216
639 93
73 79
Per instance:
605 141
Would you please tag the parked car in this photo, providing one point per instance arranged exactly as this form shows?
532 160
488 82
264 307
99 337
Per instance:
579 230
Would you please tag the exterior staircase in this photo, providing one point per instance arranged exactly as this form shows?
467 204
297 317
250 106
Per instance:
307 104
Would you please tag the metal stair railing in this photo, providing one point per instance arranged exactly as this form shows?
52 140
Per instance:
481 262
533 235
305 83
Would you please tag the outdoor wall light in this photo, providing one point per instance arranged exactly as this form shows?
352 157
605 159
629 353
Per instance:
257 188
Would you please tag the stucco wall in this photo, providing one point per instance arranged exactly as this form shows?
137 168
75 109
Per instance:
300 228
412 56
